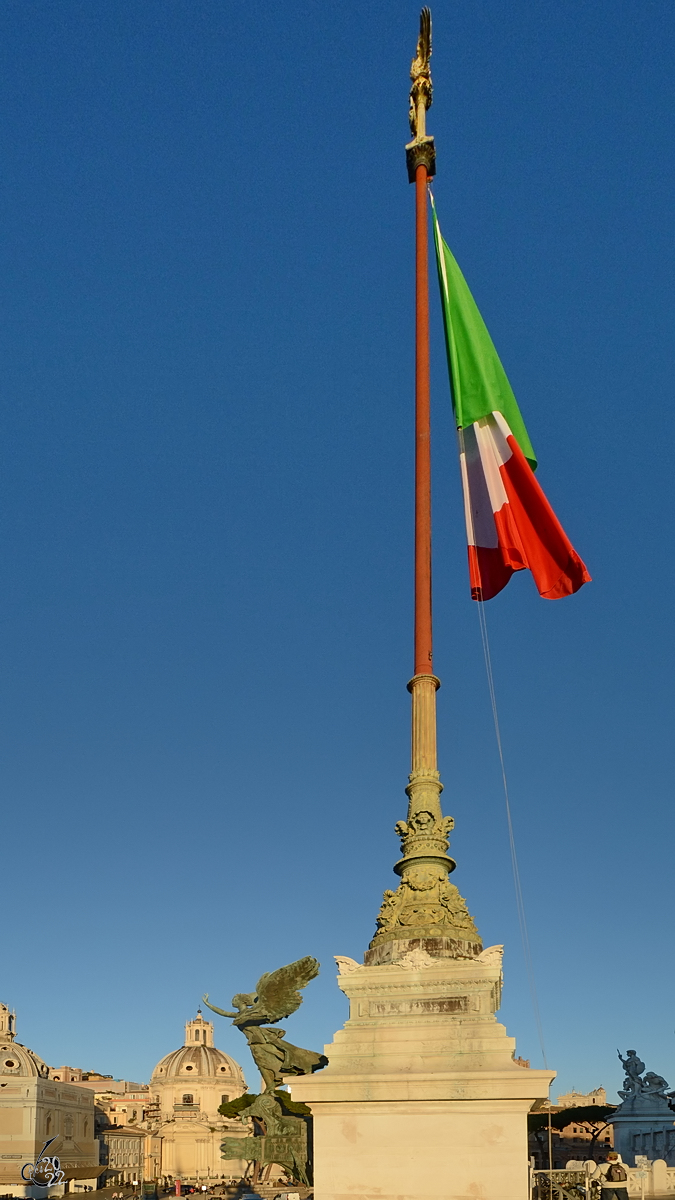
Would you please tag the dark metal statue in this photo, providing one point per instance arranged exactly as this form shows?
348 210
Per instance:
281 1128
281 1136
276 996
638 1089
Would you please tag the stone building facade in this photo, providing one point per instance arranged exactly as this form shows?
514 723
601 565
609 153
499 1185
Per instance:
35 1108
128 1108
122 1150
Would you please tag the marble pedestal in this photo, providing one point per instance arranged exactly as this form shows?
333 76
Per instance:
646 1128
421 1097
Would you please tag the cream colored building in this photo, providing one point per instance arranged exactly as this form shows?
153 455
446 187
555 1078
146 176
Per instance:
130 1108
575 1099
123 1152
35 1108
187 1087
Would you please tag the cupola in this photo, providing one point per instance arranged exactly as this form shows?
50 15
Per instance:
198 1031
7 1024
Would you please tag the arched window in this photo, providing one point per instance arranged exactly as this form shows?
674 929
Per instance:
48 1124
86 1128
187 1098
224 1099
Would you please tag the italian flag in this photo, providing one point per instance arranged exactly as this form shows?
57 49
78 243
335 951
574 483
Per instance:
510 524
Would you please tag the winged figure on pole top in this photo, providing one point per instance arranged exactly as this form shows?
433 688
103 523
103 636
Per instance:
421 92
276 996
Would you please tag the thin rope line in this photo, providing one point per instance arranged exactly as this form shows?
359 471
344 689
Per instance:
482 621
520 903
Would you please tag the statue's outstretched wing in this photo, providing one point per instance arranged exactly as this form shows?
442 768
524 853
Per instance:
424 40
278 992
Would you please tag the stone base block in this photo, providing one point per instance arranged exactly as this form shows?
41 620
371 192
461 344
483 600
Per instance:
651 1134
423 1150
421 1097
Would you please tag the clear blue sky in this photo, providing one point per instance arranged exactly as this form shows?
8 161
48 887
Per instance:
206 508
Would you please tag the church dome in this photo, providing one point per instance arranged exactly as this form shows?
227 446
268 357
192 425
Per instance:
198 1059
197 1062
17 1061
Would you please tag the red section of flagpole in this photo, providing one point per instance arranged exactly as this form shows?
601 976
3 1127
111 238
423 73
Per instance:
423 642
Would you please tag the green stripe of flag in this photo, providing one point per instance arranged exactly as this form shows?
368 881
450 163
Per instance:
478 380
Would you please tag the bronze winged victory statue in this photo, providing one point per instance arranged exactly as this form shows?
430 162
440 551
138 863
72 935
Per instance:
276 996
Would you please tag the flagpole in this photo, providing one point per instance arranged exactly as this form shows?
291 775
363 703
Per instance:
425 912
421 160
423 611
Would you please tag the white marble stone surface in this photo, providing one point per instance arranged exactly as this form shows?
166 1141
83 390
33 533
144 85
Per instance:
421 1097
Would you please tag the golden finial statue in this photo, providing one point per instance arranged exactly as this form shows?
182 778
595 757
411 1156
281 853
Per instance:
421 151
421 92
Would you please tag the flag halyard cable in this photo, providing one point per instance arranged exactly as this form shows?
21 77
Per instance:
520 902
